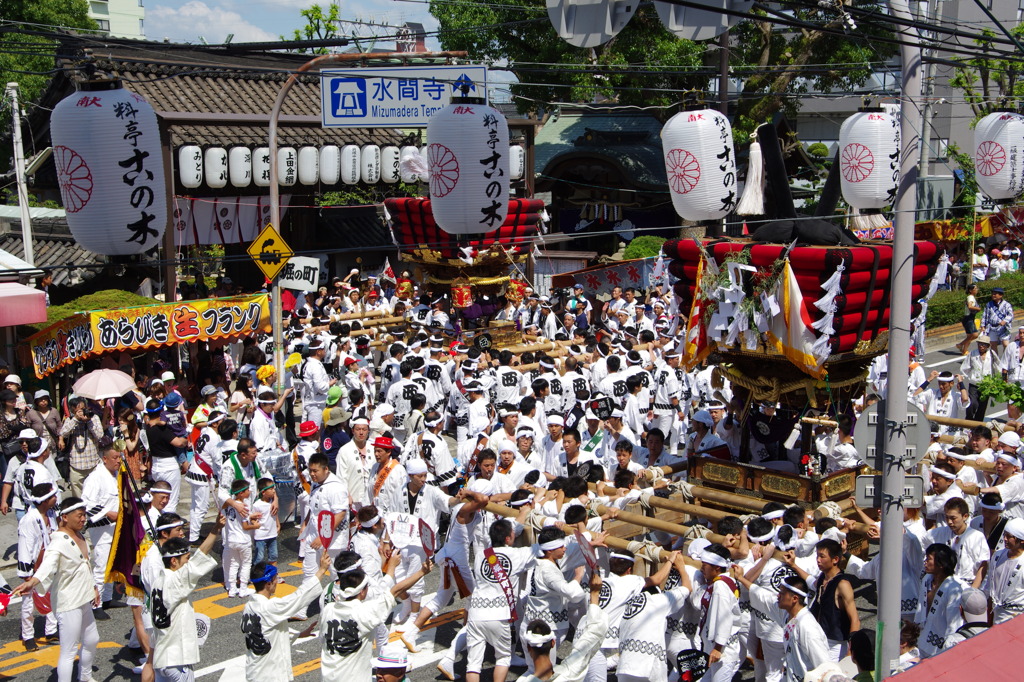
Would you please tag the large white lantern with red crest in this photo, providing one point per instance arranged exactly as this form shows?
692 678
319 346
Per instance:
468 158
106 148
998 149
869 159
701 164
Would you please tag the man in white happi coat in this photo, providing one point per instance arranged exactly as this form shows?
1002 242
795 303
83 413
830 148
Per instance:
263 429
242 464
175 641
719 615
1004 580
99 492
387 477
642 633
355 459
268 644
939 612
400 396
34 531
950 399
540 642
205 460
970 545
667 390
316 383
481 413
549 595
434 450
327 494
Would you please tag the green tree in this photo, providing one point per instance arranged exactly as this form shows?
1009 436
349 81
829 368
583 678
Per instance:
321 24
643 65
783 61
29 59
985 80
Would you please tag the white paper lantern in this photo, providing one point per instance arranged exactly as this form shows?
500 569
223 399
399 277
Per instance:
407 174
287 166
369 157
869 159
215 167
701 164
261 167
350 164
309 165
239 166
330 164
516 161
998 150
468 157
190 166
106 148
390 172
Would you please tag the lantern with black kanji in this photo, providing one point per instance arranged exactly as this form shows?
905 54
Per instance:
701 164
998 149
869 159
390 171
106 148
468 158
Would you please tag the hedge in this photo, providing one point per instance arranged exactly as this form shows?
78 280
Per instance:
947 307
109 299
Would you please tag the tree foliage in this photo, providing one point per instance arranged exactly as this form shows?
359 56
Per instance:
643 65
986 80
790 61
321 24
29 59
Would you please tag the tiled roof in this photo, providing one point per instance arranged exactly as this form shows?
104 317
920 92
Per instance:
54 253
560 132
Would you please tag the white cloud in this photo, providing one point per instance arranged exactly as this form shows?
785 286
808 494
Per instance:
195 18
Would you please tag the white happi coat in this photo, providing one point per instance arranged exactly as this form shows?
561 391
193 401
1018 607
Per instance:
940 620
642 632
549 597
346 630
971 549
1004 585
268 655
804 642
175 642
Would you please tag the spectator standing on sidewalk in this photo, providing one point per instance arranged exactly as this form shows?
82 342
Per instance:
81 431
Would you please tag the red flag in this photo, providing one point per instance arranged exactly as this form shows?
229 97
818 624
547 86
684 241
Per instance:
130 540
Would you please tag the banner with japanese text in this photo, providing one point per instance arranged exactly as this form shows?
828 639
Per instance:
93 333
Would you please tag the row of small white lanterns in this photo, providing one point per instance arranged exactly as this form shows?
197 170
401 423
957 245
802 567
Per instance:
350 164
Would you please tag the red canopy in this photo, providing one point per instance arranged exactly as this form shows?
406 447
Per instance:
992 655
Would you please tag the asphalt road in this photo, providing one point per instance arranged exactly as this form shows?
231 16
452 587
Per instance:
223 653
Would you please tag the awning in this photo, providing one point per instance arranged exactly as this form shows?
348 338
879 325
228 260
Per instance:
20 304
87 335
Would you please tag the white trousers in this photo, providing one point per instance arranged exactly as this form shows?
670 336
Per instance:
666 422
237 565
28 626
78 637
100 539
168 469
411 560
497 633
314 412
199 506
178 673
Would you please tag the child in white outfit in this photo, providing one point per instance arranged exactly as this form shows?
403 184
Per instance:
238 536
266 535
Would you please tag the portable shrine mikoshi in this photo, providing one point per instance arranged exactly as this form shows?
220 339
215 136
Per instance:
768 309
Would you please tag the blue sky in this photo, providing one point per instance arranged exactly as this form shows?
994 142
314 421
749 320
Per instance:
262 20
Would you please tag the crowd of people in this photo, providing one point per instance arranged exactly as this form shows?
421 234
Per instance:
403 457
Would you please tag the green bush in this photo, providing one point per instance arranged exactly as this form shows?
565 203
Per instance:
643 247
947 307
110 299
818 150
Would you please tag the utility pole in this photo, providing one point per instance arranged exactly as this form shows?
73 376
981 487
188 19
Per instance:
927 92
887 648
19 173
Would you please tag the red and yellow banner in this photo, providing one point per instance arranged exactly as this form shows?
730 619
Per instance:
93 333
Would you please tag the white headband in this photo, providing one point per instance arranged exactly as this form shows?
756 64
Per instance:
998 506
169 526
713 559
792 589
536 640
771 516
40 500
354 591
939 472
761 538
433 422
552 545
519 503
617 555
371 523
170 555
953 455
348 569
1005 456
217 418
74 507
266 401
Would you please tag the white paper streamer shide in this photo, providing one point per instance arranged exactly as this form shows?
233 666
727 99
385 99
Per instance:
106 148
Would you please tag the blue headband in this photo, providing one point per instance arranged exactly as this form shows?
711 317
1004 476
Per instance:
269 573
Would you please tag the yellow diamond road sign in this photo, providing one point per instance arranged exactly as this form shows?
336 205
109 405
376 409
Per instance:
270 251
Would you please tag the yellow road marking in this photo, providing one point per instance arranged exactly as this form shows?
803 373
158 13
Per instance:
45 657
307 667
220 586
211 606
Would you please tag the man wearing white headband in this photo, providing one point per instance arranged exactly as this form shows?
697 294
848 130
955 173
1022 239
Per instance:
806 646
1004 580
719 615
436 454
21 477
99 492
354 461
667 391
764 632
329 494
965 476
990 521
1009 484
34 530
942 489
508 385
66 574
550 593
950 399
540 643
971 549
